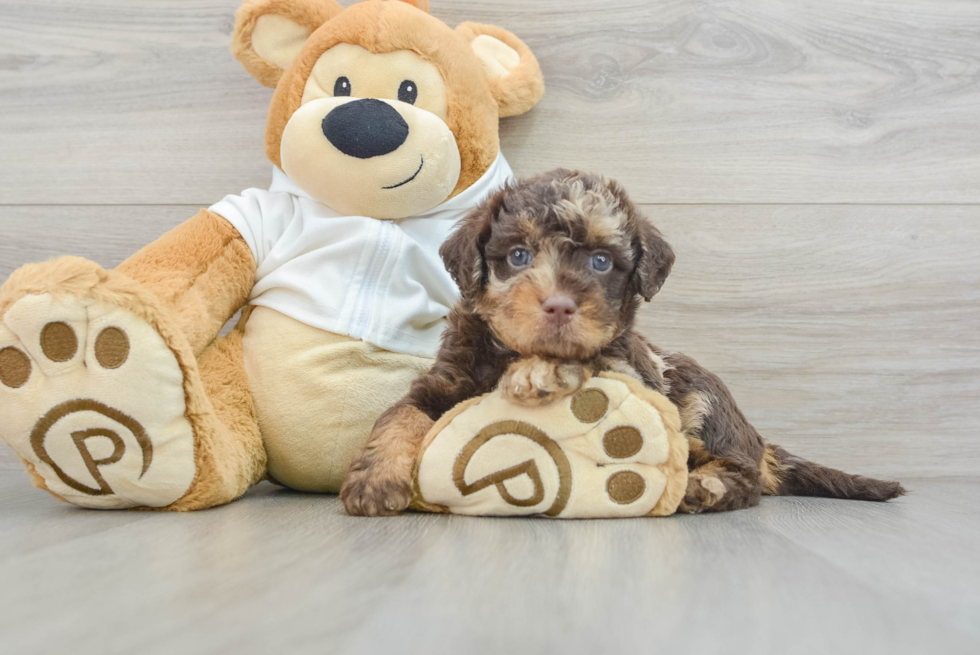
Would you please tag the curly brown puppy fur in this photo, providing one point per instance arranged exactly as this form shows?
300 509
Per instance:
552 270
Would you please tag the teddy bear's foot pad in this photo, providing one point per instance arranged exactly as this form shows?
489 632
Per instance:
93 399
610 450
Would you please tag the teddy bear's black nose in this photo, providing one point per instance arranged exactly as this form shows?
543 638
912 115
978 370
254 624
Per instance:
365 128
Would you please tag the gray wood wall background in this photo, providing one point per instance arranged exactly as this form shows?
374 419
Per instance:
816 166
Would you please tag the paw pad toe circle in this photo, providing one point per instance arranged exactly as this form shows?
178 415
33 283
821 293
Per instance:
624 487
622 442
112 348
15 367
590 405
58 341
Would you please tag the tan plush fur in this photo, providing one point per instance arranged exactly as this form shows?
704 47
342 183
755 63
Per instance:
301 377
519 91
202 272
225 464
677 460
236 453
309 13
418 502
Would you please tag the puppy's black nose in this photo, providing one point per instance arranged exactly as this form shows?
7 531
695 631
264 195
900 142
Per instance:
559 309
365 128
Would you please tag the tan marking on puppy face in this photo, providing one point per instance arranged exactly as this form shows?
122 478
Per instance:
599 211
582 232
529 228
513 308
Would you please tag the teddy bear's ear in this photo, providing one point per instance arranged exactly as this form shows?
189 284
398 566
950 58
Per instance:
270 33
513 71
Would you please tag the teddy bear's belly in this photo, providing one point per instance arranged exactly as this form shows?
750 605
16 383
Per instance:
317 396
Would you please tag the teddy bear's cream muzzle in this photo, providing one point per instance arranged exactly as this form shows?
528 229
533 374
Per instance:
371 157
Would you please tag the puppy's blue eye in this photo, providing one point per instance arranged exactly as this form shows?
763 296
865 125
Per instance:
519 257
601 263
341 87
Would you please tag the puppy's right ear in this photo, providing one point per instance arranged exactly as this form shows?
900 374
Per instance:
655 258
270 33
462 253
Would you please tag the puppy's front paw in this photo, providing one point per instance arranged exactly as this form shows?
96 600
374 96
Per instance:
703 492
371 491
536 381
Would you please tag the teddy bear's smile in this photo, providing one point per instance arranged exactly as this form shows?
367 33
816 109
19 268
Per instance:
414 175
376 157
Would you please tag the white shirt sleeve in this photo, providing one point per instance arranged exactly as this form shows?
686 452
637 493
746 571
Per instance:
260 216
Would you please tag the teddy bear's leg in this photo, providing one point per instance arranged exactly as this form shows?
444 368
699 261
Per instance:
100 391
202 272
231 457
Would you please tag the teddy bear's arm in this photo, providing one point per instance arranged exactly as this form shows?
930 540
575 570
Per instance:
203 271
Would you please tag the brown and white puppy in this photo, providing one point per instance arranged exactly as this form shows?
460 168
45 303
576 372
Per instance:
552 270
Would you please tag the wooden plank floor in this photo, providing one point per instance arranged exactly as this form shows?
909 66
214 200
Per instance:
280 571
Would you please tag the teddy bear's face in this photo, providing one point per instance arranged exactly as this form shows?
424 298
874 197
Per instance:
381 110
371 134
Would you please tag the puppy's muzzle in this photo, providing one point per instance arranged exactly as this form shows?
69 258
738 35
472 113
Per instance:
365 128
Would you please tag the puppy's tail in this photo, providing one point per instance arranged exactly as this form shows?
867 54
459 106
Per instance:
784 474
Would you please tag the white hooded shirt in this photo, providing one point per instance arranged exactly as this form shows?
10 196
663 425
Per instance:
381 281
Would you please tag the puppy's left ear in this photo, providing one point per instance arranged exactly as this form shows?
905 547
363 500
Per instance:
511 68
654 258
462 252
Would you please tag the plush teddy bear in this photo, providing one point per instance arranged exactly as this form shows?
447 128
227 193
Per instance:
116 390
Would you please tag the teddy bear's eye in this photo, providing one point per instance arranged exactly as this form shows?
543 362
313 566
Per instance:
341 87
408 92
